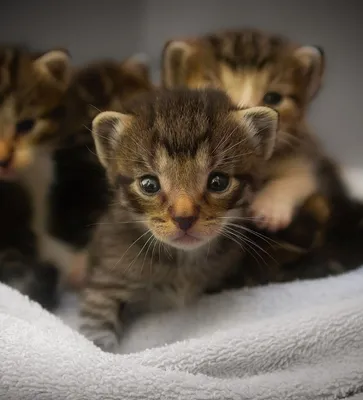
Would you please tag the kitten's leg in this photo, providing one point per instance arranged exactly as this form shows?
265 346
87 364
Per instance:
101 314
276 203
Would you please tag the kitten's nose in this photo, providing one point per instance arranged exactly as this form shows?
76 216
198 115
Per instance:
5 154
185 223
5 162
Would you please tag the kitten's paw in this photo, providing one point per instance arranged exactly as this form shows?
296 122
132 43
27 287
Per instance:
106 339
272 212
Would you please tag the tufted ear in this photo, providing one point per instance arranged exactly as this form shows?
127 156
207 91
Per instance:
312 63
260 124
107 127
175 57
139 65
56 65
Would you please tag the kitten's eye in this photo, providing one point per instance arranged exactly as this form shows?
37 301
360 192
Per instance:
24 126
150 184
217 182
272 98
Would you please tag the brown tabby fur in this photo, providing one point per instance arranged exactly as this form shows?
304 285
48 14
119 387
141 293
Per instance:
54 158
247 64
32 91
79 194
140 252
32 88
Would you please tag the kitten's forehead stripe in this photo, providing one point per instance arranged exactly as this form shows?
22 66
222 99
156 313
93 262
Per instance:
181 141
247 48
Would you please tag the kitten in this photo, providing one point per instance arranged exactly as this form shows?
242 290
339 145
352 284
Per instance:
304 193
183 166
32 89
79 193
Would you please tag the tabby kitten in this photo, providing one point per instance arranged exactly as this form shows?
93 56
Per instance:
183 165
32 90
258 69
79 192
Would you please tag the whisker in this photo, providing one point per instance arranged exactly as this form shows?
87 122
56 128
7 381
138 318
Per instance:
138 254
159 250
245 238
95 107
89 129
224 139
253 232
132 244
244 246
152 257
147 250
235 157
92 152
240 218
249 243
167 251
232 147
116 223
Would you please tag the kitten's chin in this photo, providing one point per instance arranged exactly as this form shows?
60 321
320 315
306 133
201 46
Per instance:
8 175
188 242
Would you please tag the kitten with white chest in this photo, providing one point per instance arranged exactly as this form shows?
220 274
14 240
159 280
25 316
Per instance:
32 90
183 166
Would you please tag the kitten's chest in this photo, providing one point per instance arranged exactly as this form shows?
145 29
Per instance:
37 178
184 282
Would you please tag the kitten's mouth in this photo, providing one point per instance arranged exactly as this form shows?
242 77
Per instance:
188 241
7 174
186 238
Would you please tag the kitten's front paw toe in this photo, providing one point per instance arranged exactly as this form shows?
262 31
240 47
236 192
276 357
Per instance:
271 214
106 339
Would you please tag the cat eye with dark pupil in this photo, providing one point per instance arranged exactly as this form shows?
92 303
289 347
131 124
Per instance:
217 182
272 98
24 126
149 184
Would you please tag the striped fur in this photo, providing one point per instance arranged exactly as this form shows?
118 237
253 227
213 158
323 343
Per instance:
79 194
305 196
139 253
32 90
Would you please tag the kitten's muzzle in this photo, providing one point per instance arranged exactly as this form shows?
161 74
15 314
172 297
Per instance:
6 155
5 162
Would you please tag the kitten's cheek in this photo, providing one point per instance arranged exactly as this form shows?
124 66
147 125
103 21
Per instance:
22 157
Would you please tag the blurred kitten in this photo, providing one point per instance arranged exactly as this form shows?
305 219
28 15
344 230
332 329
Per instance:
46 147
257 69
304 192
79 194
32 90
183 166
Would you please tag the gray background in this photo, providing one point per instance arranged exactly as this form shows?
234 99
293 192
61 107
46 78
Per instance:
94 29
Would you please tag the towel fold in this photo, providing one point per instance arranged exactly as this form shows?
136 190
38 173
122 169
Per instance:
301 340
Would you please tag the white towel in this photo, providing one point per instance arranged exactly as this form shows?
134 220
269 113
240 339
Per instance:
301 340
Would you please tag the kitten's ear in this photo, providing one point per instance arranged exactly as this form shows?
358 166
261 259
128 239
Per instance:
312 62
55 64
175 56
139 65
261 124
107 127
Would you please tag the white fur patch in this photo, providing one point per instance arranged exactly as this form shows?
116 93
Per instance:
37 177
